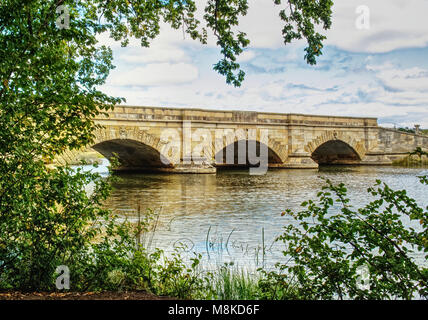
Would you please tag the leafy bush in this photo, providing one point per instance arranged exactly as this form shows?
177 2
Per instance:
58 222
47 222
406 129
334 241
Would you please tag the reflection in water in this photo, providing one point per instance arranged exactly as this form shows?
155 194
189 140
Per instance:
224 216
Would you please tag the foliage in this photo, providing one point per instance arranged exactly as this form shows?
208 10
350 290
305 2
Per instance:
47 222
301 18
119 262
416 158
334 240
173 277
419 152
101 254
406 129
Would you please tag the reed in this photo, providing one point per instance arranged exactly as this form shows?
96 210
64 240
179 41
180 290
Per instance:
233 283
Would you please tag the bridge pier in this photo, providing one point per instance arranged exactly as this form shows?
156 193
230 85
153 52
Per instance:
188 165
300 161
379 158
178 169
192 165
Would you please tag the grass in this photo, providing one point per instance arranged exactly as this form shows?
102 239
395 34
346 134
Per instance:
233 283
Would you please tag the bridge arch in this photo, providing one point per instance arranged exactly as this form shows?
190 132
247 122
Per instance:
274 155
336 148
132 154
136 149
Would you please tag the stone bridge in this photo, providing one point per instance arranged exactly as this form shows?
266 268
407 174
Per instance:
165 139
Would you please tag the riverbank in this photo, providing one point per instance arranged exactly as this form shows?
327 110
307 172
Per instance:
88 156
108 295
412 161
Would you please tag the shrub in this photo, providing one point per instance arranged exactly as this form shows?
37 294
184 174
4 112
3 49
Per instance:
333 242
47 222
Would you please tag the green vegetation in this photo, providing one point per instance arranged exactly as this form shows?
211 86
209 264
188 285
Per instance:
231 283
406 129
409 130
416 158
419 152
49 221
334 240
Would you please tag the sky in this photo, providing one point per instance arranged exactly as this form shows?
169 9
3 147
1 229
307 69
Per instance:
378 70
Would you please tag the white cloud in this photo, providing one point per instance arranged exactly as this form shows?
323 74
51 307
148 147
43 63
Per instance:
155 74
246 56
394 24
410 79
153 54
297 92
262 24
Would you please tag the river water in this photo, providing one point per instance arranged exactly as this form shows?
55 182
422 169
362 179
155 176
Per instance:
230 216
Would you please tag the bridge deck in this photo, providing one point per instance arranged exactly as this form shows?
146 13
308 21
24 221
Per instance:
133 113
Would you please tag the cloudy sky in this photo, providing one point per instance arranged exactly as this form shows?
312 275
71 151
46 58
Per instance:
377 72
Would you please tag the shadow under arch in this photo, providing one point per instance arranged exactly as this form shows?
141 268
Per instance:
133 155
335 152
274 160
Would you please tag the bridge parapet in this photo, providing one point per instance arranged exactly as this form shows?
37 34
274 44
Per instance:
154 114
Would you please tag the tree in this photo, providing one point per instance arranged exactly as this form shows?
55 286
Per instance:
49 74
